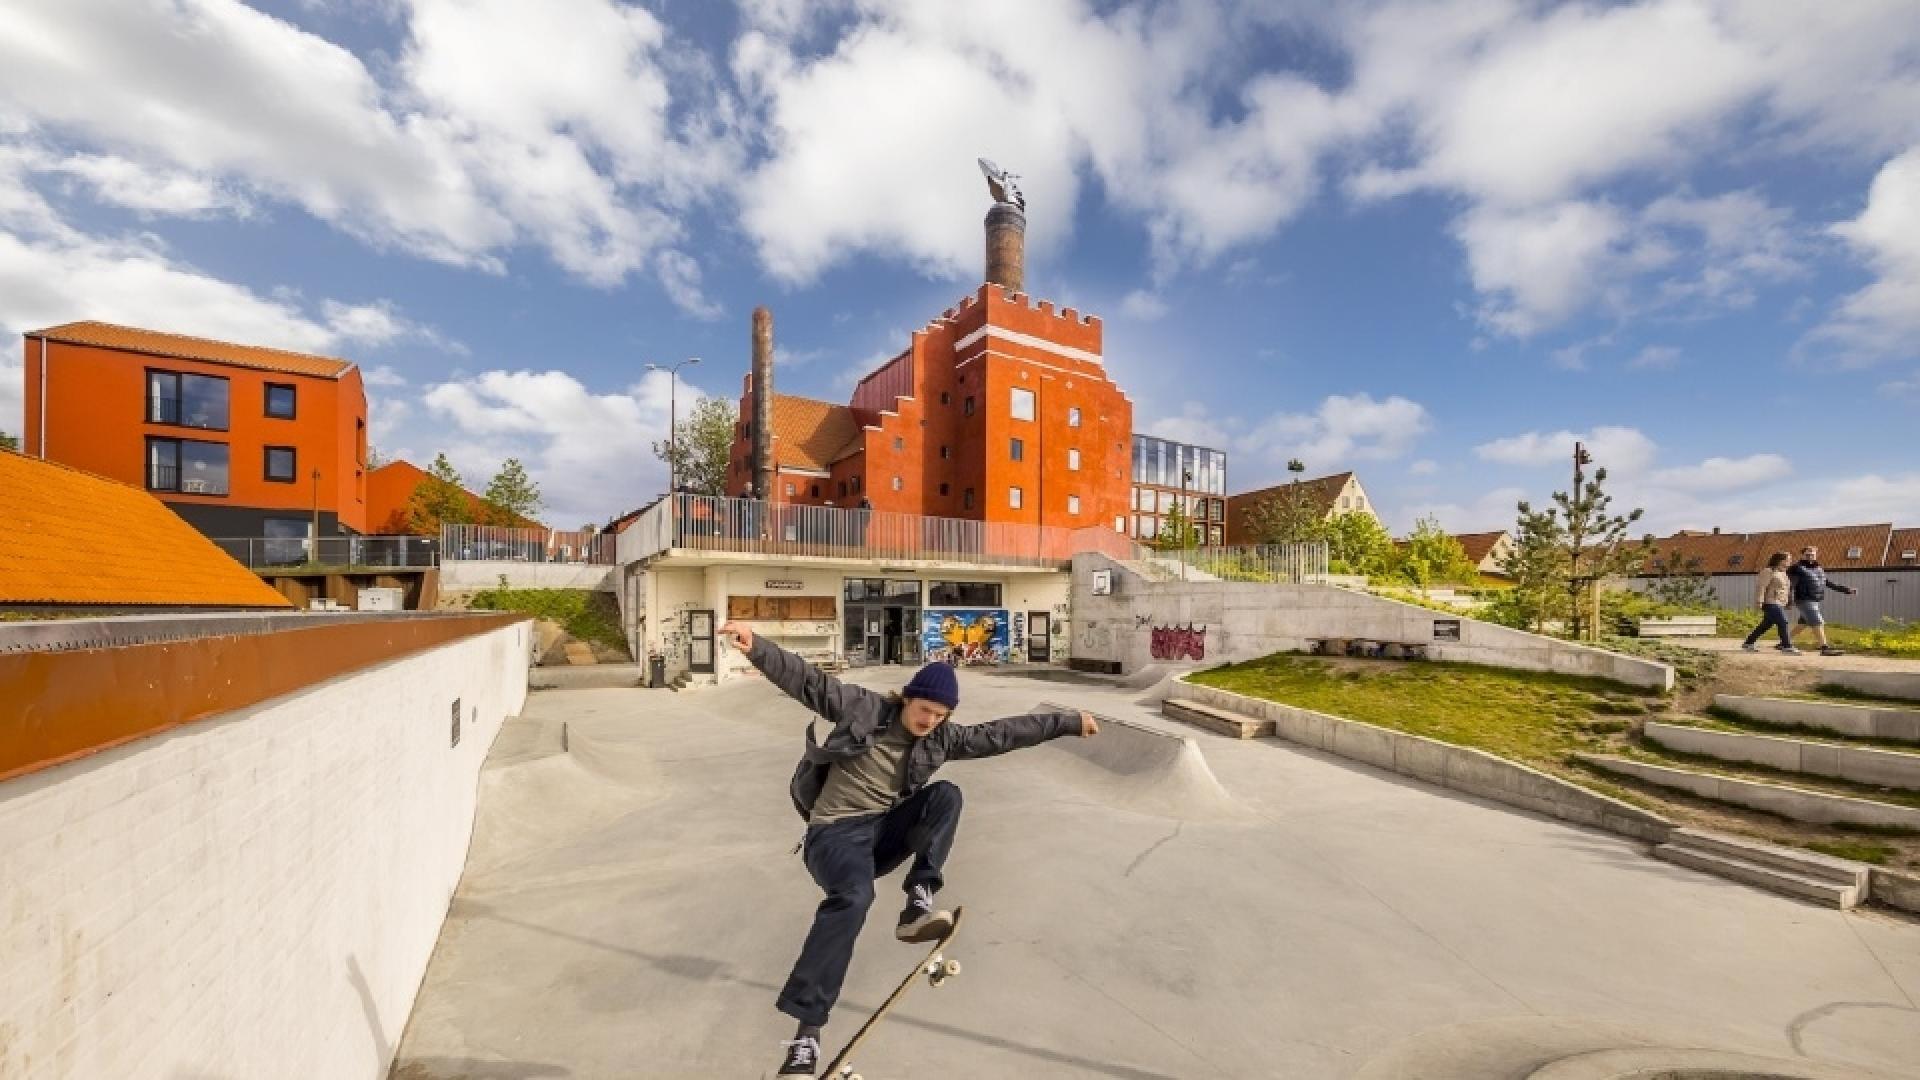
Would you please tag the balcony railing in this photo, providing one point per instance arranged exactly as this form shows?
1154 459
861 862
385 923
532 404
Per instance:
376 552
1273 563
481 542
706 523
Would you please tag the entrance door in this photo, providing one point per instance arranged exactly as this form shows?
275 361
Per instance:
700 642
1039 642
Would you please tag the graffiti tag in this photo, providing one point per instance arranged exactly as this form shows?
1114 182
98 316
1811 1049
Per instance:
1177 643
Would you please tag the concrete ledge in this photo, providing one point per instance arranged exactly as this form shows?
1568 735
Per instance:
1895 888
1861 721
1904 685
1797 804
1460 768
580 677
1884 768
1233 725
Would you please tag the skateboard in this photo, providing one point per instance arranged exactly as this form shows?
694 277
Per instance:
936 967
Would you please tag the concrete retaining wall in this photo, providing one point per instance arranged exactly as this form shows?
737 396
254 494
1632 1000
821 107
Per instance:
1895 889
1886 768
1246 620
1904 685
255 894
1460 768
1792 803
1862 721
465 575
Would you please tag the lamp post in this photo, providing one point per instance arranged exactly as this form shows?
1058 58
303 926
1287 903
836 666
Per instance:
315 552
673 425
1186 519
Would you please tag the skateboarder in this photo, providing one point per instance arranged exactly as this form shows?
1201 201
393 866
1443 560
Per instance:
869 806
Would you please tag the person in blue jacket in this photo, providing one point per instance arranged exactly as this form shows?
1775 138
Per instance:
1810 586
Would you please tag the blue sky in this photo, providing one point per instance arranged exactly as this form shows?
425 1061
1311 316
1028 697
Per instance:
1431 242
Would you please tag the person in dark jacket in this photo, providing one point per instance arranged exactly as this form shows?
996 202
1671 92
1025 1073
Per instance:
867 794
1810 586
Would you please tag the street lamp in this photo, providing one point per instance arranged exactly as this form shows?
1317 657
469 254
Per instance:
315 554
673 419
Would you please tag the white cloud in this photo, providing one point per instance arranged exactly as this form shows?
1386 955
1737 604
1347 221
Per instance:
1655 357
1620 450
1193 426
383 377
1907 387
13 397
1814 501
1724 474
1883 319
1142 305
1495 509
1342 431
151 190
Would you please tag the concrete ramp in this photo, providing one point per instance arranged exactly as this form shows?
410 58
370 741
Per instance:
1131 766
541 776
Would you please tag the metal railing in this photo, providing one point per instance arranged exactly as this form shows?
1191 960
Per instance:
1284 563
748 526
377 552
470 543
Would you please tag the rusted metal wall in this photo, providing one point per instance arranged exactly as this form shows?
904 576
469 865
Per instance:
56 706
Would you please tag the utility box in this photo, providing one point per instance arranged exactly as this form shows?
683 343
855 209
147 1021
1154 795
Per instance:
383 599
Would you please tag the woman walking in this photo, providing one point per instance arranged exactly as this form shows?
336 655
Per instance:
1772 590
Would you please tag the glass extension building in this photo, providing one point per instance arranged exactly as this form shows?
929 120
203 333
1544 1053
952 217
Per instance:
1163 472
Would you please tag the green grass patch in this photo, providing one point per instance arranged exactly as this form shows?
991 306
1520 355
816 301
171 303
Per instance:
1526 716
1689 665
587 614
1847 695
1894 638
1866 851
1655 754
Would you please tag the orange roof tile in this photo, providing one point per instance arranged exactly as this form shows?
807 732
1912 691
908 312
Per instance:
1720 553
1321 491
811 434
58 551
1903 541
153 342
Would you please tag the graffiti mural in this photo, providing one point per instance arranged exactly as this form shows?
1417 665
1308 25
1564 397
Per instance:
964 638
1179 643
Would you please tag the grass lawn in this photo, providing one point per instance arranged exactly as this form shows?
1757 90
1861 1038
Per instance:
1528 716
1902 642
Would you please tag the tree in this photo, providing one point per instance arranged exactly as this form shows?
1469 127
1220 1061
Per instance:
702 447
1287 517
376 459
1177 530
512 498
1358 544
438 500
8 442
1537 566
1597 543
1681 582
1430 555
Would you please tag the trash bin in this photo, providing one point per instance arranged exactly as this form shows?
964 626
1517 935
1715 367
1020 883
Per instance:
656 670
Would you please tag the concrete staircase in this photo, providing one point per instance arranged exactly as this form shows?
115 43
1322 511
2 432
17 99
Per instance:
1837 883
1865 720
1215 719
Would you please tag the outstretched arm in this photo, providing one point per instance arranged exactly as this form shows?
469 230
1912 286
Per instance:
1014 733
827 696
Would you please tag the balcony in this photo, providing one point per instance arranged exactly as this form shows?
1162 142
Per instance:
477 543
706 524
332 552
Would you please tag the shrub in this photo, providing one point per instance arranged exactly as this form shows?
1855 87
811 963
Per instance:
586 615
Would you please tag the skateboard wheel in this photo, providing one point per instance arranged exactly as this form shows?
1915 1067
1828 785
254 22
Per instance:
950 968
935 980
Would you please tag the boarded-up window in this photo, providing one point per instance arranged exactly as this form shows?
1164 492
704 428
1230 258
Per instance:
781 608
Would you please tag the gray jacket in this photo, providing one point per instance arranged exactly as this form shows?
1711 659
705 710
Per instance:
859 715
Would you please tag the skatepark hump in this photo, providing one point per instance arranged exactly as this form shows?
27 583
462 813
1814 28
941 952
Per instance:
1131 766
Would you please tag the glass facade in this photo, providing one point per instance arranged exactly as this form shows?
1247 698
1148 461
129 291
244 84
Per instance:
1161 468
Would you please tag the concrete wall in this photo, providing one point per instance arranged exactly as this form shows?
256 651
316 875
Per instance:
1892 593
485 574
256 894
1245 620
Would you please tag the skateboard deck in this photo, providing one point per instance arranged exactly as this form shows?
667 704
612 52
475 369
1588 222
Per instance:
936 967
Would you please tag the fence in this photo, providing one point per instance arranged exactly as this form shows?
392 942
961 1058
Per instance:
1890 593
267 552
711 523
1292 563
468 543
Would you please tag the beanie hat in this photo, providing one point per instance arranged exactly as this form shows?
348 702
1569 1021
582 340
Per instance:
935 682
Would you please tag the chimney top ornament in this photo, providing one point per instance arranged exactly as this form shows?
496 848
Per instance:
1000 184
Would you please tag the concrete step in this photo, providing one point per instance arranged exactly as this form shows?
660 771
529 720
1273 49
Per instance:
1216 719
1904 685
1793 803
577 678
1859 721
1862 765
1826 893
1806 864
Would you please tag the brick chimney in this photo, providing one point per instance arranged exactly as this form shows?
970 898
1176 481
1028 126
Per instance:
1007 247
762 403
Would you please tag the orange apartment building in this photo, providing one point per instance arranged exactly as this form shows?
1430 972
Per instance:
239 440
1000 410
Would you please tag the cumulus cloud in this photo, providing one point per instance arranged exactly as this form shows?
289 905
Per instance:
1342 431
1621 450
1142 305
1724 474
1883 319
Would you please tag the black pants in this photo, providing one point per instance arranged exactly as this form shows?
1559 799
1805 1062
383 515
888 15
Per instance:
845 858
1771 615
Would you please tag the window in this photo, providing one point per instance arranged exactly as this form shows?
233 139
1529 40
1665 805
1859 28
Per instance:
1016 450
1073 504
1219 509
1022 404
187 466
789 488
813 491
1343 502
963 594
282 464
286 541
968 409
843 489
946 452
896 483
1014 496
1909 555
1149 527
856 485
943 489
1735 560
1073 417
1219 536
1167 501
899 443
1120 523
1073 459
187 400
966 498
946 398
1853 553
280 401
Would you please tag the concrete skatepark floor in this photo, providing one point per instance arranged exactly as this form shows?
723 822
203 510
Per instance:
631 908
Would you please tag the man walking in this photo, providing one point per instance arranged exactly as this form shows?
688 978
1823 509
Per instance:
866 794
1810 586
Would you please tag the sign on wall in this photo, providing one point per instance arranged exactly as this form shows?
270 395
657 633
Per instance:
965 638
785 584
1103 583
1446 629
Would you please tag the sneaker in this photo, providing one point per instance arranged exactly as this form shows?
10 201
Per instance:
1788 649
1750 647
920 921
803 1057
1829 650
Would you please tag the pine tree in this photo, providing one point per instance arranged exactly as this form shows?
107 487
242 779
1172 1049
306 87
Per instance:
1681 582
1537 566
702 447
1597 542
512 498
438 500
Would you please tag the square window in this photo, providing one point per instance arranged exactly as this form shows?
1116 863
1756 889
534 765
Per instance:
1014 497
1016 450
1073 459
1073 417
282 464
896 483
943 489
1120 523
1073 504
1021 406
813 491
280 401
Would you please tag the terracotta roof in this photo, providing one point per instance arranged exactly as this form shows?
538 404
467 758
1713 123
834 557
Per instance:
1478 545
1321 491
1721 553
811 434
59 552
153 342
1901 542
